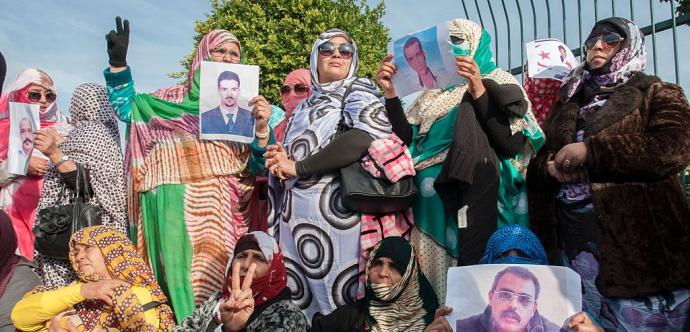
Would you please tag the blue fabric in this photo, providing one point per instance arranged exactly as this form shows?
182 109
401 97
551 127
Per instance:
514 237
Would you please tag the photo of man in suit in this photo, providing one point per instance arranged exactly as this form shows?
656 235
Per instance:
228 117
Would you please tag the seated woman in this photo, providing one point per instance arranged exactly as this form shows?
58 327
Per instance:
398 297
261 303
115 290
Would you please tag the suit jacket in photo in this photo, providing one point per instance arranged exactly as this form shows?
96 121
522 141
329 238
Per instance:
212 122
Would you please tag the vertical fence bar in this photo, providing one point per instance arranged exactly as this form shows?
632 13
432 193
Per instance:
548 16
632 11
596 11
522 40
565 35
493 19
675 41
651 15
613 8
534 18
464 8
481 21
505 12
579 26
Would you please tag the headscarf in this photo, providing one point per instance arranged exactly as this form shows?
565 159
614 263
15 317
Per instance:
291 101
203 53
269 286
8 248
408 305
542 93
124 263
19 197
514 237
3 71
95 144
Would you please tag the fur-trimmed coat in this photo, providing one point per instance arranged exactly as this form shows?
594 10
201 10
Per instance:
637 143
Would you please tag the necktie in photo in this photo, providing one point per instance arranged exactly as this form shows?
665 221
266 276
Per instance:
229 123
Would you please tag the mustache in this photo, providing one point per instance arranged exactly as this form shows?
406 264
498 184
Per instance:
511 314
28 140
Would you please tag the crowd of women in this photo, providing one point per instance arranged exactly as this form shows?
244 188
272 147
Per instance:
208 235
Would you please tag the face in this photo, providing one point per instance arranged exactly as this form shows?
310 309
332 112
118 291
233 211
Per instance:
333 68
562 51
384 271
513 303
229 90
416 57
228 52
249 256
42 102
90 261
599 55
26 133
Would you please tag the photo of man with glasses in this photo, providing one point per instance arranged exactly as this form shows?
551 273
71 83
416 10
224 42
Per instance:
513 305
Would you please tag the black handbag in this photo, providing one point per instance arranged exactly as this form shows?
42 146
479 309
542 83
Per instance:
362 192
56 224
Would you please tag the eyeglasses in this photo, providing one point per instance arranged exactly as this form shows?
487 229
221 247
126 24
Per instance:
299 88
35 96
221 53
456 40
346 50
608 41
507 297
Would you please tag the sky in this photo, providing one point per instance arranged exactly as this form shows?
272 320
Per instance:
66 37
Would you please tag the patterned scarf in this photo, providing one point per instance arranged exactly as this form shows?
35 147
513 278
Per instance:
269 286
630 59
514 237
123 263
408 305
542 93
95 144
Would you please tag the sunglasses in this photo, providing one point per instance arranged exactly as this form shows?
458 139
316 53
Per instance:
608 41
346 50
299 89
507 297
35 96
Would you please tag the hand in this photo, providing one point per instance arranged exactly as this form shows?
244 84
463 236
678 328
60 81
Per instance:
60 323
440 323
278 164
118 41
571 156
581 322
262 113
274 150
384 77
578 175
469 70
46 140
101 290
37 166
235 312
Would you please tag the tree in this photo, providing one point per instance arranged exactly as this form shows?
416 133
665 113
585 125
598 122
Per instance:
682 6
277 35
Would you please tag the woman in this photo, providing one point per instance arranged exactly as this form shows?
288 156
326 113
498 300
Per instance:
190 198
398 295
296 87
471 144
319 236
262 303
19 194
606 189
16 274
115 290
94 143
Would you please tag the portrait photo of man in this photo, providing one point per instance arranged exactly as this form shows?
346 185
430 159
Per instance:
416 59
228 117
564 56
513 305
26 136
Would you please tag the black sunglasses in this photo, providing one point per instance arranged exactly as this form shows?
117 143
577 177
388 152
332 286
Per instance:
299 88
346 50
35 96
609 40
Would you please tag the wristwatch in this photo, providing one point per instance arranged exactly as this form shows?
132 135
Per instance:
62 160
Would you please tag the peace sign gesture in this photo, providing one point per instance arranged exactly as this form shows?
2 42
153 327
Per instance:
236 310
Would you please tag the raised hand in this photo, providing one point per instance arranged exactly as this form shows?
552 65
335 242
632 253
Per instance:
262 113
468 69
384 76
235 312
47 140
118 41
101 290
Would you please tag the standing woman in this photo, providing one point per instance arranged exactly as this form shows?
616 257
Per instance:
187 195
319 236
296 87
94 143
604 193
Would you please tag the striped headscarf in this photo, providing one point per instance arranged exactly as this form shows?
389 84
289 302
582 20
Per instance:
203 53
408 305
124 263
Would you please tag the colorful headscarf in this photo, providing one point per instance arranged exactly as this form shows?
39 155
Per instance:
203 53
124 263
408 305
291 101
269 286
17 93
514 237
8 249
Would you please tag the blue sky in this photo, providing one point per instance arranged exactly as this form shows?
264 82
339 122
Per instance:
66 37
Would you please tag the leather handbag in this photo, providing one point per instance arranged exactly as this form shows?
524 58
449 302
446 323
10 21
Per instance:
56 224
362 192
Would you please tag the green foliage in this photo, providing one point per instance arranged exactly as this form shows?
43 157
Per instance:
277 35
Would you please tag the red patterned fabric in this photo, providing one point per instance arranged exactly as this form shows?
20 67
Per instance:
389 158
542 93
